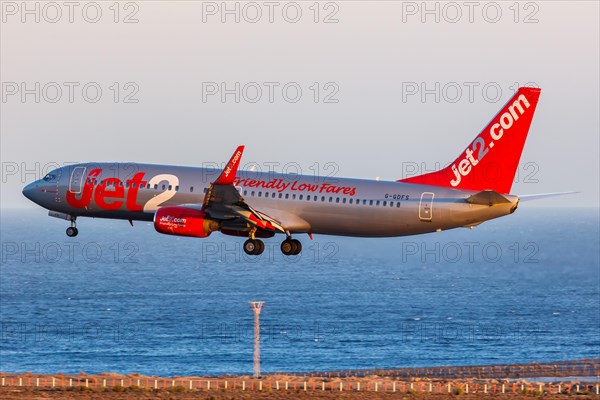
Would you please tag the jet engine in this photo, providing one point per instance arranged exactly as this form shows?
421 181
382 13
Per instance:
184 221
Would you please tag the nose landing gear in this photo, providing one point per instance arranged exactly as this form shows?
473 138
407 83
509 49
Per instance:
72 230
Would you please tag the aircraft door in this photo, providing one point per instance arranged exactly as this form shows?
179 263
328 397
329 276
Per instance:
426 206
76 181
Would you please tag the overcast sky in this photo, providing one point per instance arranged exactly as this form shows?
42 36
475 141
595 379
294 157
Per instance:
351 88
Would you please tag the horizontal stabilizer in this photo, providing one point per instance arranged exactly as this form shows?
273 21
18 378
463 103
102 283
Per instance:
527 197
487 198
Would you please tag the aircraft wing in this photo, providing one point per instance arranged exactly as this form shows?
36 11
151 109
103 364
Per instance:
223 202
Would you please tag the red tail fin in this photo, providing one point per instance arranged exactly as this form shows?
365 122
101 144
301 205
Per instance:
491 160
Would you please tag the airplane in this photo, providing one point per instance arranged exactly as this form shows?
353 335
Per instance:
195 202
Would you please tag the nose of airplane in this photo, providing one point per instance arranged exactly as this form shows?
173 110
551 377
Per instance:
30 191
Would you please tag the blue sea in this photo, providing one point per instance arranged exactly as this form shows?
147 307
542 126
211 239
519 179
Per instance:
523 288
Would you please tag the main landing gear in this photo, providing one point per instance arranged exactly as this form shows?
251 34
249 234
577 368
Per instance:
72 230
255 247
291 247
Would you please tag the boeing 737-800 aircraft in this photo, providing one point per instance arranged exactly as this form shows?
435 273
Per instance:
189 201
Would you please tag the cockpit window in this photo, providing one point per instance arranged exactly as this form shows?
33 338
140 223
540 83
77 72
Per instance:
49 177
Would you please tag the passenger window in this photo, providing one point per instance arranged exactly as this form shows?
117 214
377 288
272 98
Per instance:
350 201
370 202
287 195
364 202
294 196
384 203
177 188
398 205
253 193
344 200
323 198
280 195
331 199
156 186
191 189
337 199
259 194
377 203
170 187
164 187
127 184
300 198
273 195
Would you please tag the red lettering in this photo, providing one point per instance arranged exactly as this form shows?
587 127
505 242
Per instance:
102 194
86 193
134 186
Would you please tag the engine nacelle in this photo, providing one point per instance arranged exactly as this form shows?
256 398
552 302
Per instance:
183 221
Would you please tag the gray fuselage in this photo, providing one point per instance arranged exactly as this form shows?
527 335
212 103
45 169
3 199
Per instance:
301 203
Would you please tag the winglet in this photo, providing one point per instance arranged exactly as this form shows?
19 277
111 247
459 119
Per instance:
228 175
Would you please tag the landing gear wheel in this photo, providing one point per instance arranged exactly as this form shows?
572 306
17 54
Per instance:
291 247
72 231
298 247
261 246
254 247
